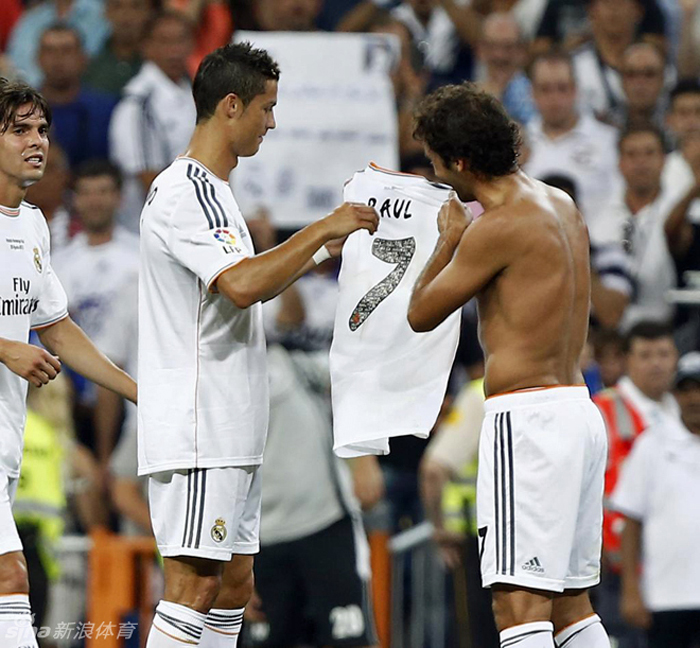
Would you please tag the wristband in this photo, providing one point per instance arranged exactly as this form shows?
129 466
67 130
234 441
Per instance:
321 255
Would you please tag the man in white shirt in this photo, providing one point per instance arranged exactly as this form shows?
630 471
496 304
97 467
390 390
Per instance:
635 218
31 297
565 141
153 123
202 357
93 269
658 494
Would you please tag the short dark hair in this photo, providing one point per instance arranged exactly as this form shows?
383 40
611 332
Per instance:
647 330
635 129
14 95
605 338
684 86
162 16
463 122
60 26
98 167
232 69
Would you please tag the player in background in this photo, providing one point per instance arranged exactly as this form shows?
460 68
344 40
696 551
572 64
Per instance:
203 382
543 443
31 298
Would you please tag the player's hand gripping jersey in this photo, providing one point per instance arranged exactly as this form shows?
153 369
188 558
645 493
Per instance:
387 380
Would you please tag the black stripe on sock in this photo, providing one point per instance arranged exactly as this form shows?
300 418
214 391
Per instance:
189 629
512 641
568 639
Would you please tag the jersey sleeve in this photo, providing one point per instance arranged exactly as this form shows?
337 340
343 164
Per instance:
53 302
630 496
203 237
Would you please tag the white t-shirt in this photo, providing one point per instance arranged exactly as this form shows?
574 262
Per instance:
388 380
653 270
203 387
587 154
150 127
653 412
31 297
660 487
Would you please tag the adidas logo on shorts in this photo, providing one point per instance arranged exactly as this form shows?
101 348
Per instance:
533 565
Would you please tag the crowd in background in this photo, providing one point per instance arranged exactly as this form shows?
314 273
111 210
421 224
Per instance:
607 93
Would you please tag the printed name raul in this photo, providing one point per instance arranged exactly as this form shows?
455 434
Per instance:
21 303
393 208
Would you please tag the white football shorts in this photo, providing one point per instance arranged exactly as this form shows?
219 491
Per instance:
542 457
9 538
208 513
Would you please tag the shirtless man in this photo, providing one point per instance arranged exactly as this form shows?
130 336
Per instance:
543 444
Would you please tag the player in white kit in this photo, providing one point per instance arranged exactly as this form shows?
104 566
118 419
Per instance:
203 383
543 445
31 298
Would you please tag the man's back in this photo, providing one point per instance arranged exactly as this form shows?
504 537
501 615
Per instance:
534 313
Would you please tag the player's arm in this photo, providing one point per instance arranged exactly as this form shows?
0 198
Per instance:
66 340
678 230
464 261
28 361
266 275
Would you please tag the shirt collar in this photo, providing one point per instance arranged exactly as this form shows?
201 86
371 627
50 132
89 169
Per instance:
650 409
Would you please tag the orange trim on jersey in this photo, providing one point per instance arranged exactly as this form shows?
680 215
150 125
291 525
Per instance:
167 634
15 593
43 326
9 211
532 389
376 167
566 627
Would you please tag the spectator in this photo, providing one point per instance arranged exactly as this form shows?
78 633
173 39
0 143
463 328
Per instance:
565 23
86 16
50 195
120 57
152 124
562 140
12 10
640 400
658 494
684 123
214 25
689 47
636 219
448 490
502 52
444 31
645 100
80 116
286 15
93 269
609 354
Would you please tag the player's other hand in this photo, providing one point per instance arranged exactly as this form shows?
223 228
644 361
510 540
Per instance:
634 611
450 547
349 218
254 610
453 217
32 363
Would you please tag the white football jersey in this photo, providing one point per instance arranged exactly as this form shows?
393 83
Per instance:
203 389
31 297
387 380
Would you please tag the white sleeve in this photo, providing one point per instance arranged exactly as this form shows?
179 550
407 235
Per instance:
134 143
197 242
53 303
630 496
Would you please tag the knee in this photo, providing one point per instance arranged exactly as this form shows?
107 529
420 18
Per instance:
513 607
194 591
13 574
236 591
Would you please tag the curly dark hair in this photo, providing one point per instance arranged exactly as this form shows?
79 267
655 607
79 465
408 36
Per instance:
239 69
463 122
14 95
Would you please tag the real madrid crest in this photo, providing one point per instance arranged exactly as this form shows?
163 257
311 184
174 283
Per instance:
218 531
37 260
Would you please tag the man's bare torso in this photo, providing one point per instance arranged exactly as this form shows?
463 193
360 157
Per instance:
534 313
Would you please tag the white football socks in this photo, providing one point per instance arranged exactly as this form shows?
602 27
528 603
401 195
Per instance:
528 635
174 625
222 628
16 629
587 633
